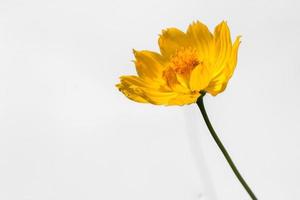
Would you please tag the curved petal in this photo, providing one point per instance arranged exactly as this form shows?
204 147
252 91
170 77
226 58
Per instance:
219 82
171 40
202 37
149 64
131 93
222 45
184 99
135 81
139 90
234 54
158 97
131 87
216 87
175 82
200 78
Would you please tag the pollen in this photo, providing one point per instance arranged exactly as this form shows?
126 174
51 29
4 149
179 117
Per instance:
184 60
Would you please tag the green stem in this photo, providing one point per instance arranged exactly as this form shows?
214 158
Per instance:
222 148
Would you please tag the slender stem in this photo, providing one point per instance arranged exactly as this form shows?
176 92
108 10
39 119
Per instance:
222 148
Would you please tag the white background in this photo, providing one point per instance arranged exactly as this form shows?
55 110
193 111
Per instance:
67 133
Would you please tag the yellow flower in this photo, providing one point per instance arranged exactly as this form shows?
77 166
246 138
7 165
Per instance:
188 63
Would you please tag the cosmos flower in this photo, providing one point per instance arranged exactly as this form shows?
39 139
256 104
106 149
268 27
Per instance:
189 64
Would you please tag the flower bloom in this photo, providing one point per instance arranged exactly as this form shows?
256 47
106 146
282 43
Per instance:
188 63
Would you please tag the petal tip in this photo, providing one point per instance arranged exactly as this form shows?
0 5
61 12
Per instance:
134 51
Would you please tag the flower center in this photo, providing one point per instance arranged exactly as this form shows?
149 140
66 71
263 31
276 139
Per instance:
184 61
180 67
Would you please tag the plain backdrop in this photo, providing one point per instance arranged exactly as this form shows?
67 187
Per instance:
67 133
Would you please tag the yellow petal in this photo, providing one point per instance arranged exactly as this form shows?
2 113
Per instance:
131 93
171 40
130 87
184 99
149 64
219 81
183 80
158 97
234 54
202 37
216 87
170 98
222 47
174 82
133 81
140 90
199 78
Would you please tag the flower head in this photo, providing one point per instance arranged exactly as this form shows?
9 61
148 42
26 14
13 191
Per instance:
188 64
